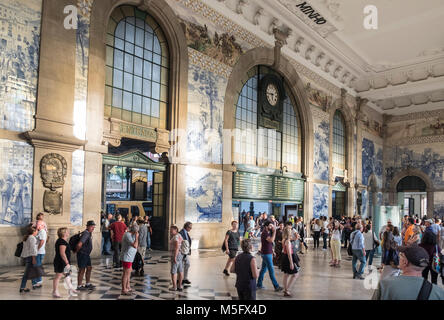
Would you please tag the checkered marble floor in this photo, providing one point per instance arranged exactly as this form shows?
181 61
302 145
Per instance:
316 280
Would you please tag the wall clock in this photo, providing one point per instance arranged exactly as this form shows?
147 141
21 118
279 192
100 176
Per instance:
270 100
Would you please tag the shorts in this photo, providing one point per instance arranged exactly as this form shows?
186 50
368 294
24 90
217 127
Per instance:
83 260
177 267
59 266
127 265
232 254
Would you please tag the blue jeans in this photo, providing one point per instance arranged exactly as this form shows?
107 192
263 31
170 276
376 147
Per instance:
39 260
267 263
28 265
358 255
324 238
369 256
148 240
106 242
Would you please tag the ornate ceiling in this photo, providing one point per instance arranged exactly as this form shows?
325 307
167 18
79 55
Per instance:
399 67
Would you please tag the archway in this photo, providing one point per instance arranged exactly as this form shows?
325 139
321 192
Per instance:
415 183
238 77
109 131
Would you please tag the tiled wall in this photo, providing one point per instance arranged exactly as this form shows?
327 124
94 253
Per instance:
372 158
203 199
16 173
321 144
78 175
19 55
321 200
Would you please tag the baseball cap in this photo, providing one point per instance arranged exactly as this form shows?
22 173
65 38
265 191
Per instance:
415 255
90 223
430 221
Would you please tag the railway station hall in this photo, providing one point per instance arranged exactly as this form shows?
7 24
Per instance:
221 150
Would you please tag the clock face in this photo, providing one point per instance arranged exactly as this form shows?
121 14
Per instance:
272 94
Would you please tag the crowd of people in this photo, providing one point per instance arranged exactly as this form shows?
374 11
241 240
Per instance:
408 254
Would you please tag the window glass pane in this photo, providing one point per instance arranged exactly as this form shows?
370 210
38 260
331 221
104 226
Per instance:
155 108
118 59
157 58
128 81
128 63
139 36
138 52
129 47
137 103
156 47
147 67
148 55
120 30
117 98
119 44
146 106
146 88
127 100
149 41
140 23
137 85
138 66
156 73
129 33
118 79
156 91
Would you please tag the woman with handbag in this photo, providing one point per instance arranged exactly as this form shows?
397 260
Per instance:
289 261
29 253
430 244
62 263
371 242
390 257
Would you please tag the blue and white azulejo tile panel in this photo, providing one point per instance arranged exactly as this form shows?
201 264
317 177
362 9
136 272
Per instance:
371 162
364 206
16 172
320 200
205 116
77 182
19 57
429 160
439 204
321 146
203 195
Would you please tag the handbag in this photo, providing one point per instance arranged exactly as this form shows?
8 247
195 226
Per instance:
19 249
436 261
376 243
349 248
35 272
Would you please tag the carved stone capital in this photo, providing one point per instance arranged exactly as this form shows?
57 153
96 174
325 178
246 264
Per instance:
257 16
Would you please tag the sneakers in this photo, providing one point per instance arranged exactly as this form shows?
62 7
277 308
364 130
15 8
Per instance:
186 281
277 289
24 290
90 286
81 288
226 272
37 286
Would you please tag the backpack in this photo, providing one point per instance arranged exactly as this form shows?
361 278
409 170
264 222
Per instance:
19 249
184 247
138 262
74 240
436 261
349 248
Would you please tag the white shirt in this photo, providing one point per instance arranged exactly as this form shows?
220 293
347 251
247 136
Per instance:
369 237
42 235
326 227
336 234
29 247
316 227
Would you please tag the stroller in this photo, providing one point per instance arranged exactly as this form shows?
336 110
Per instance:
138 265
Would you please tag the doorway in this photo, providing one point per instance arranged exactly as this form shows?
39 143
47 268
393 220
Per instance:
134 185
412 196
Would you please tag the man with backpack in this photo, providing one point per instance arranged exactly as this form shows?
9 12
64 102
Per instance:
410 285
186 250
83 250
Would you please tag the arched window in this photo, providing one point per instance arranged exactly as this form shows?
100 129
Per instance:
339 142
136 69
259 146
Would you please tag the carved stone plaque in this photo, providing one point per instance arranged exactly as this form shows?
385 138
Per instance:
53 202
53 169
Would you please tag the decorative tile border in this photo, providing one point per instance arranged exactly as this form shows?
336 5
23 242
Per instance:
205 62
417 116
416 140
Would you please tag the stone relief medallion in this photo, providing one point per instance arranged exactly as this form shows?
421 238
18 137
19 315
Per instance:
53 169
53 202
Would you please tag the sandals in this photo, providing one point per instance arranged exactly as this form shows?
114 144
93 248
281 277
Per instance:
287 294
56 295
